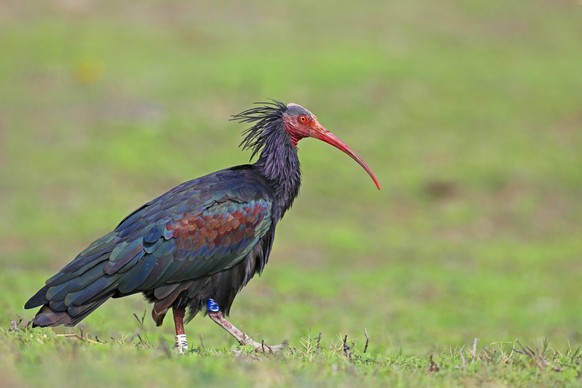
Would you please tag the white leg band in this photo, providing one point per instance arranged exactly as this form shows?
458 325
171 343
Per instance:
181 343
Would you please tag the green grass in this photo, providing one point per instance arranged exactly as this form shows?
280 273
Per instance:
84 363
468 112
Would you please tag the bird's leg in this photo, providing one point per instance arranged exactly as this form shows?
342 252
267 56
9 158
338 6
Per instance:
243 339
181 343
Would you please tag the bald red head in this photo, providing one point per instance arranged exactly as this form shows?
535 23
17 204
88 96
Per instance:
300 123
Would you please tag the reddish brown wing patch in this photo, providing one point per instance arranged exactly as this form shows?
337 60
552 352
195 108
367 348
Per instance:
228 227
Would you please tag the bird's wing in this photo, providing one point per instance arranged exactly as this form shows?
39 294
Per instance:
198 228
190 245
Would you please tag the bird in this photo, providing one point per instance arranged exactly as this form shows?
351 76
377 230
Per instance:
195 247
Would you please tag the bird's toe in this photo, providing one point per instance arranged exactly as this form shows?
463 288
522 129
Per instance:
272 349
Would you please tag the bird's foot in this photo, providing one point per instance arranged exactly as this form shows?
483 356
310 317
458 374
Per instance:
252 350
264 348
243 339
181 343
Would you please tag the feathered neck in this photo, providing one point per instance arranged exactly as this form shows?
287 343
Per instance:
278 160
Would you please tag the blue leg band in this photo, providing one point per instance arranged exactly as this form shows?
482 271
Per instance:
212 306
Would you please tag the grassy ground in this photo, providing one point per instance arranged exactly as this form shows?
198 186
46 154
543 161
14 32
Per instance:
469 113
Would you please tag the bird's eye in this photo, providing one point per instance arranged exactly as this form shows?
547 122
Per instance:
302 119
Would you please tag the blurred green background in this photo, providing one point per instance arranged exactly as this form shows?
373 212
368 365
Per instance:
469 112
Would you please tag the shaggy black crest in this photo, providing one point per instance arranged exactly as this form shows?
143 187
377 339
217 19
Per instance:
267 116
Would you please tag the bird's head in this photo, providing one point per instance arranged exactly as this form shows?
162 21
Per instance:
298 122
301 123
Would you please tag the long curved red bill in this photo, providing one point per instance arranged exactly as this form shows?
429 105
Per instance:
325 135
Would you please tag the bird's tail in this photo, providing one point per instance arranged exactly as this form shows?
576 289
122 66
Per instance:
46 316
78 289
